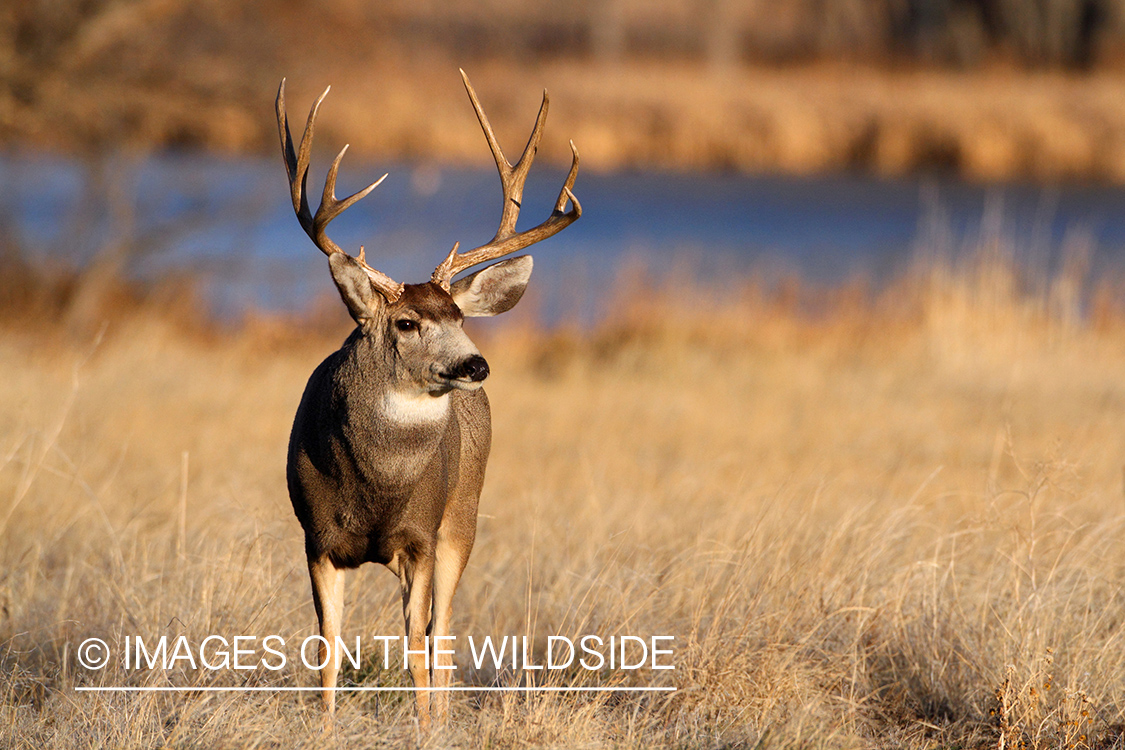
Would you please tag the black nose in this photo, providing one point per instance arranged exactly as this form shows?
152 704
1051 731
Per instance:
475 368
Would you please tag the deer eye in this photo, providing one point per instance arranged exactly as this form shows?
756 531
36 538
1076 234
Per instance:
406 324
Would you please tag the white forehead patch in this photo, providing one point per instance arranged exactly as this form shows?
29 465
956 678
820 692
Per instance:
410 408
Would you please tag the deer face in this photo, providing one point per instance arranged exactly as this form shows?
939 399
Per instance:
424 338
416 329
421 333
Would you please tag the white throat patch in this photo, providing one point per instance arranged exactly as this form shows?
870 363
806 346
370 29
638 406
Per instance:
415 408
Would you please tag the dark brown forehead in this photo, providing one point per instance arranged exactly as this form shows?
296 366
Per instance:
429 301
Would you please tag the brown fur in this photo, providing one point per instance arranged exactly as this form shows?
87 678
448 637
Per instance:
369 484
389 445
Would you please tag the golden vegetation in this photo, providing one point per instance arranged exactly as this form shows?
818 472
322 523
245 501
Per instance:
882 522
845 84
986 125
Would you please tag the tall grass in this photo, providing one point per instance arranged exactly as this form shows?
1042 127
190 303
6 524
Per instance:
869 520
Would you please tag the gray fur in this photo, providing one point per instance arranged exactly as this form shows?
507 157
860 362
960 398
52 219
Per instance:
493 289
354 286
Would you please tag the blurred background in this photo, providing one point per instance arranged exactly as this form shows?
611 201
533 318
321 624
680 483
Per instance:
825 140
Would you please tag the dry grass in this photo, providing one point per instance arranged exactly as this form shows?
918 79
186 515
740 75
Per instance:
986 125
894 523
994 123
668 83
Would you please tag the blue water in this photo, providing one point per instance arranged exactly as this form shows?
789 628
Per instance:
231 219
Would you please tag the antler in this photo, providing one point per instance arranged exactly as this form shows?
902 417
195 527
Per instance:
512 179
297 167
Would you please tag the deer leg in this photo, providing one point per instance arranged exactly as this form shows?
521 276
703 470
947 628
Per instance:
328 597
452 555
417 578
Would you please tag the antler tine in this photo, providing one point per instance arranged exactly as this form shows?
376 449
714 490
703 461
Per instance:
297 168
330 206
512 179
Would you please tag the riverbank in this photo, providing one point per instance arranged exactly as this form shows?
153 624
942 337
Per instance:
985 125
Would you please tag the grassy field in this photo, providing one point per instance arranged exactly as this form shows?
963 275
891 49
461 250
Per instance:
869 521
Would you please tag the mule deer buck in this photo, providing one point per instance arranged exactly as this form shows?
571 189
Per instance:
389 445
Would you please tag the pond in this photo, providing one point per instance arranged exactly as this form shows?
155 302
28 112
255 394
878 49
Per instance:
230 219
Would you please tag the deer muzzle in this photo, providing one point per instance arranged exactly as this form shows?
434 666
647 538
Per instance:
472 370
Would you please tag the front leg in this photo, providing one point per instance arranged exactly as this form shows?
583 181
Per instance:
416 577
453 548
328 598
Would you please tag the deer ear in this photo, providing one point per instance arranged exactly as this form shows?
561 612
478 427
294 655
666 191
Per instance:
355 287
493 289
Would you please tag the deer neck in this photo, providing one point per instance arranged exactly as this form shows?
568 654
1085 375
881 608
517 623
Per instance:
383 413
407 409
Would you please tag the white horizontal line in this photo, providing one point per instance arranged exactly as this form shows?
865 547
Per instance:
362 689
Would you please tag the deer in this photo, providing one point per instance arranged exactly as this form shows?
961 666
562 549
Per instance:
387 454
